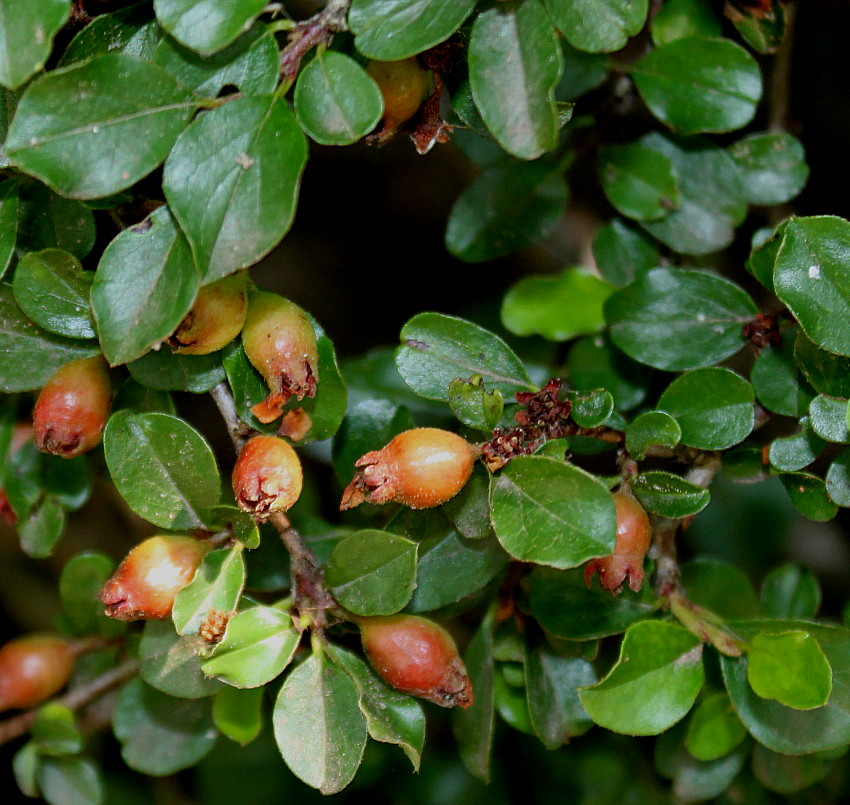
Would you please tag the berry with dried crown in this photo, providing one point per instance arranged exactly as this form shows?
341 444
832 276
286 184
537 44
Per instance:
267 477
280 342
33 668
145 583
215 319
404 86
72 408
416 656
421 468
634 535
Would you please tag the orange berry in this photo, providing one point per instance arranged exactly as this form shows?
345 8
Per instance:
267 477
33 668
404 86
215 319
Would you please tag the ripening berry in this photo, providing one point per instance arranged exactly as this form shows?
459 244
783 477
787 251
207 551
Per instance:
420 468
72 408
633 538
267 477
145 583
215 319
33 668
416 656
280 342
404 86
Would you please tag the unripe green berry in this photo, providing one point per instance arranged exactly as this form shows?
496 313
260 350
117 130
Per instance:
420 468
33 668
72 408
215 319
280 342
416 656
267 477
150 576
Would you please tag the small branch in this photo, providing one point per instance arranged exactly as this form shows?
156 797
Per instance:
778 104
318 29
74 700
238 430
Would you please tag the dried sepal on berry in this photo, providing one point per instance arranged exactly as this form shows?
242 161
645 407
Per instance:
267 477
417 656
150 576
634 536
72 408
33 668
216 317
420 468
280 342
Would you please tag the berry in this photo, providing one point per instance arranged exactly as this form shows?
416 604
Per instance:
404 86
421 468
267 477
215 319
72 408
33 668
633 538
145 583
280 342
416 656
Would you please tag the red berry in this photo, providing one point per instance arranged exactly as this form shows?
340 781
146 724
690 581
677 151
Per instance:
416 656
145 583
72 409
33 668
280 342
267 477
634 536
420 468
215 319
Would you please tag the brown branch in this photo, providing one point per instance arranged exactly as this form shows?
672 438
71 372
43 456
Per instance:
318 29
238 430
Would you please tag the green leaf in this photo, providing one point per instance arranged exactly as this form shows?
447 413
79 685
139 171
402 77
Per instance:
236 169
469 510
42 527
162 467
129 30
55 732
809 496
639 182
435 349
125 117
827 372
795 452
590 409
828 419
473 405
336 101
712 200
790 592
762 28
159 734
777 381
713 406
669 495
141 399
251 63
714 729
162 370
515 63
238 713
70 781
30 475
318 726
243 527
258 644
699 85
773 167
838 480
216 587
82 579
623 253
565 606
53 290
392 30
678 319
169 662
391 717
810 277
649 429
720 587
595 363
25 765
681 18
653 684
207 26
551 513
791 668
507 208
26 37
786 774
558 308
8 222
49 221
30 356
598 25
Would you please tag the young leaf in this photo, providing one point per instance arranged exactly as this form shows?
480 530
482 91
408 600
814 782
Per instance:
42 527
652 428
54 731
473 405
207 26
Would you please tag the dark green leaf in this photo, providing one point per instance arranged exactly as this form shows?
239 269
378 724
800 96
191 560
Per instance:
639 182
26 37
652 428
81 580
669 495
681 18
762 28
49 221
207 26
791 592
838 480
773 167
623 253
123 120
678 319
551 513
714 729
795 452
590 409
776 379
32 474
469 510
70 781
828 419
765 246
129 30
216 588
42 527
239 523
582 72
169 662
238 713
162 370
8 222
598 25
141 399
720 587
809 496
162 467
786 774
827 372
515 63
595 363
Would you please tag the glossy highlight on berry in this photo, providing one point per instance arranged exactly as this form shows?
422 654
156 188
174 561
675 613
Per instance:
215 319
33 668
267 477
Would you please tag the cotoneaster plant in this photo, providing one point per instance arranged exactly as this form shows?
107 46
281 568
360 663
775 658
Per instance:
559 539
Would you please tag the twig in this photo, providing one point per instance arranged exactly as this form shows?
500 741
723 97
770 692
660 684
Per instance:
238 430
318 29
780 76
75 699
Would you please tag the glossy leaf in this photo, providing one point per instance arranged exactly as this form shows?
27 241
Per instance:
791 453
623 253
790 592
669 495
773 167
162 467
215 588
649 429
777 380
595 363
639 182
828 419
42 527
26 37
207 26
827 372
598 25
714 729
473 405
169 662
551 513
162 370
809 496
838 480
238 713
129 30
469 510
125 118
681 18
720 587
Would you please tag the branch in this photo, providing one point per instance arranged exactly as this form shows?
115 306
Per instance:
238 430
318 29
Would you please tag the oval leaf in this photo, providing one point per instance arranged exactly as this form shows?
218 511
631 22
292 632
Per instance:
26 34
669 495
207 25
